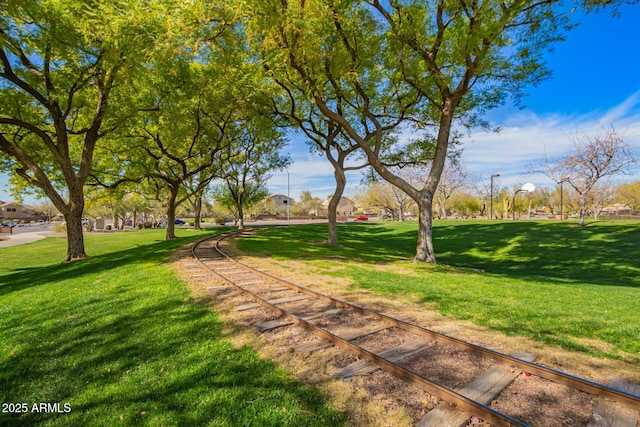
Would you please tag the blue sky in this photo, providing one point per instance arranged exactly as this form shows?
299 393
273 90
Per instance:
595 81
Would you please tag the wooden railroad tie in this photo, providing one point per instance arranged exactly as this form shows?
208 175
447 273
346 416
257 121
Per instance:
253 305
320 343
613 414
483 389
231 270
363 367
274 289
270 325
217 289
249 282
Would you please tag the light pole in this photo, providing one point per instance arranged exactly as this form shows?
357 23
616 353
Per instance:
288 199
561 181
495 175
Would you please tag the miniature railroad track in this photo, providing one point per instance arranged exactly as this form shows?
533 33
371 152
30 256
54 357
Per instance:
327 317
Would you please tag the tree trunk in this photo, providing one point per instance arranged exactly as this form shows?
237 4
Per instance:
424 249
75 236
171 214
583 210
240 217
332 210
197 212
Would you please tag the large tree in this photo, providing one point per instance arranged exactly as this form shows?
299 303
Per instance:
307 58
457 59
336 146
186 111
182 133
297 109
63 67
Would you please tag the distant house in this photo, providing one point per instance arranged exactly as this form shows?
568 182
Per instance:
281 200
617 209
12 211
345 206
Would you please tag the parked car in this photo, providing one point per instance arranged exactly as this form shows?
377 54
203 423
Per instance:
361 218
10 224
178 221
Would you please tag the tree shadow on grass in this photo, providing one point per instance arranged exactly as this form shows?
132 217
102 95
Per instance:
135 369
27 277
372 242
603 254
136 353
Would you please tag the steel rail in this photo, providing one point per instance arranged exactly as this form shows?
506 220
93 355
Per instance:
591 387
453 398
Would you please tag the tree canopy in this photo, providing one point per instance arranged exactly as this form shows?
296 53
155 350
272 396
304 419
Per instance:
154 92
64 66
374 67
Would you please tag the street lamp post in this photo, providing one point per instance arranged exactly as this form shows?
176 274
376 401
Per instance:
495 175
561 181
288 199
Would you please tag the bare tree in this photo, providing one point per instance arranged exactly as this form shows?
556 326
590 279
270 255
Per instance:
48 209
599 197
390 199
454 177
591 159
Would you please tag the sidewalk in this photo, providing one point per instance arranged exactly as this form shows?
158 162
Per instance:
19 239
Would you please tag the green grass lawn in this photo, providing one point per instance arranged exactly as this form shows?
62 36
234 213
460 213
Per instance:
118 338
550 281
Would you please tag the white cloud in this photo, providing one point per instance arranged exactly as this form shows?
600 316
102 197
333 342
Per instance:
523 141
526 138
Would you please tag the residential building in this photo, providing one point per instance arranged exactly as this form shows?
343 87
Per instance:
12 211
346 206
281 200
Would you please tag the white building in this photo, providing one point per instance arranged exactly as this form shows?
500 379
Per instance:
281 200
